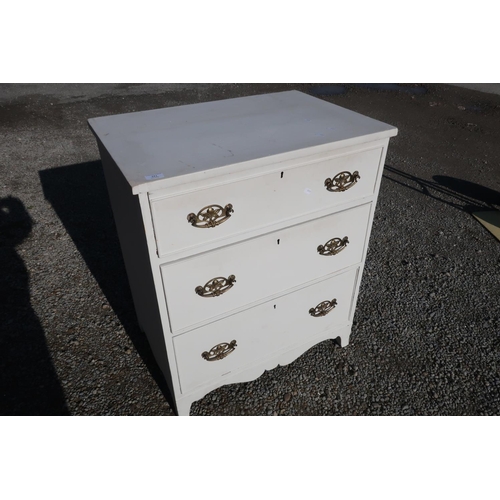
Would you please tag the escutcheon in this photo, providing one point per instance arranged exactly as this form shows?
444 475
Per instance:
333 246
216 286
342 181
211 216
323 308
220 351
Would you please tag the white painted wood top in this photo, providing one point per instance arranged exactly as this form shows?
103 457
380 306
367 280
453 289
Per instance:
162 147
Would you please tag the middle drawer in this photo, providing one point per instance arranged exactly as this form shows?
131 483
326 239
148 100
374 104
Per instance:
211 285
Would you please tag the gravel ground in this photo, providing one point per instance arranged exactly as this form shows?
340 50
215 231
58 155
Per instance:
426 334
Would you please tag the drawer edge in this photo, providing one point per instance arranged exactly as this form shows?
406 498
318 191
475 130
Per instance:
260 231
269 298
228 179
252 371
265 165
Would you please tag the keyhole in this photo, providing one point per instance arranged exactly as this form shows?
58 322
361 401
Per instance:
275 306
278 241
282 175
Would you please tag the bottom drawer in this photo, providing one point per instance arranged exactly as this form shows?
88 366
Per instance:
208 353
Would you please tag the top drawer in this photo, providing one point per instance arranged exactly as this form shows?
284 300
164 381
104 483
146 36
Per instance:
207 215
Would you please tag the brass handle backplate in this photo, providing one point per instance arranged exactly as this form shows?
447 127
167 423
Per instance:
216 286
220 351
211 216
342 181
333 246
323 308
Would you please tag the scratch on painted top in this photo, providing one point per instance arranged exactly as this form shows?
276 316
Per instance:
228 150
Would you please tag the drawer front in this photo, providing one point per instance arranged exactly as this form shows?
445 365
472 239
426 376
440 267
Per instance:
193 219
209 353
262 267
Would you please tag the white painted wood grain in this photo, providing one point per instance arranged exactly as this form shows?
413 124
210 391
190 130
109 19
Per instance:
268 156
248 373
261 201
263 266
137 244
262 330
187 140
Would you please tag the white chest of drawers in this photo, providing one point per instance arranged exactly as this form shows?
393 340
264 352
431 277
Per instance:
244 226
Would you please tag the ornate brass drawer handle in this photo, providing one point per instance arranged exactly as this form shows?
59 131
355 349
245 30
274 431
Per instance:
333 246
323 308
216 286
220 351
211 216
342 181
